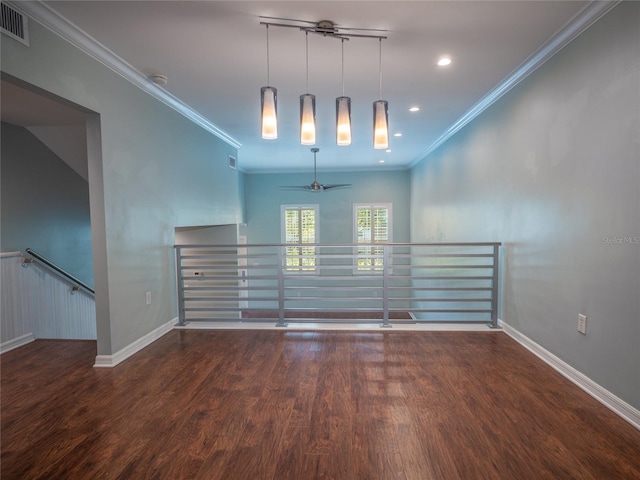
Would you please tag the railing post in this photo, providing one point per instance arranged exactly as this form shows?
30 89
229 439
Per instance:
180 285
386 266
495 287
281 267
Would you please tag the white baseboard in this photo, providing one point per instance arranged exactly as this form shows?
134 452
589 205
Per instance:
604 396
371 327
16 342
109 361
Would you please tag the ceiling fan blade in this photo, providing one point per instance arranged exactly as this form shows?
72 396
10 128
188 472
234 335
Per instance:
295 187
338 185
315 186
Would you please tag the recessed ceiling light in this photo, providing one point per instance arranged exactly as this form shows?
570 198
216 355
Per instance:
381 161
397 134
444 61
388 150
414 109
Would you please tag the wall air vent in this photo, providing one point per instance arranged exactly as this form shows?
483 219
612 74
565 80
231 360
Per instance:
232 162
14 24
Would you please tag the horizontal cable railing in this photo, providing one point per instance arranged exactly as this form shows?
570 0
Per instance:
346 283
77 284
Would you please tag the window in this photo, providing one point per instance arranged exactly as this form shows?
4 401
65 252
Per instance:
299 227
372 226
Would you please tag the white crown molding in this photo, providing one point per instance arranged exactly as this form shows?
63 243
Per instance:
109 361
604 396
55 22
574 27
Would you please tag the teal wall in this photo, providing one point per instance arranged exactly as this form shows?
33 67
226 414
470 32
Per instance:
552 170
150 170
263 197
44 204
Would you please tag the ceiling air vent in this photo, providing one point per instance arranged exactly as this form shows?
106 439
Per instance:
14 24
232 162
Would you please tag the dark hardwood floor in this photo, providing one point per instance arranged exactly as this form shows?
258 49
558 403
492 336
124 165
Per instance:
317 405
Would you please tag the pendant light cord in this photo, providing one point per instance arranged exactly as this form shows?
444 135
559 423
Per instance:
342 67
267 25
307 56
380 67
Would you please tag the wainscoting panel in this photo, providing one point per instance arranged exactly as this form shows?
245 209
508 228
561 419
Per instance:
36 301
15 310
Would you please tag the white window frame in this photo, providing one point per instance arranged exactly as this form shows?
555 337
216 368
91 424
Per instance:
283 238
357 255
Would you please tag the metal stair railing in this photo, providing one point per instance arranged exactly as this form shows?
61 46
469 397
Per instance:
76 283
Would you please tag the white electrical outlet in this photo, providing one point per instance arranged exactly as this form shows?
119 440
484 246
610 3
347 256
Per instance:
582 324
147 297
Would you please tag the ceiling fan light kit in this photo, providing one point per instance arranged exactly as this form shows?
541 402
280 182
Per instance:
268 95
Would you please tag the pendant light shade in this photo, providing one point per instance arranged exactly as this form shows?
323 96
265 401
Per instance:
343 112
269 107
307 108
307 119
343 121
380 124
380 115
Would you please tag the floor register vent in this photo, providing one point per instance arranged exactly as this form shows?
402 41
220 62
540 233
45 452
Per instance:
14 24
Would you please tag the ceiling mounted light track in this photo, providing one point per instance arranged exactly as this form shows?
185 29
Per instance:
326 28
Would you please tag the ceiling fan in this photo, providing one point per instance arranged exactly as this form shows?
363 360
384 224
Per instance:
326 28
315 186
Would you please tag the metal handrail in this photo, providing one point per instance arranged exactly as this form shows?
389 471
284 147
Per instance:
434 282
60 272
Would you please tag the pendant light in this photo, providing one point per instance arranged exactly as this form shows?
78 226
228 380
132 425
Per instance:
380 116
343 113
307 109
269 105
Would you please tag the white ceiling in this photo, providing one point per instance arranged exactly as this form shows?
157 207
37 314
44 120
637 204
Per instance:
214 55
